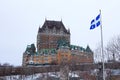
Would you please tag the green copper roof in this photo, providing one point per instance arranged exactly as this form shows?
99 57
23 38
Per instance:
47 51
74 47
62 43
88 49
31 48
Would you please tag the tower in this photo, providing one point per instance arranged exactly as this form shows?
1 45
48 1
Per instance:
50 33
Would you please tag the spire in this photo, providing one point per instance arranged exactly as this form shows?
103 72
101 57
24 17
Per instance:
61 19
68 30
88 49
45 19
39 29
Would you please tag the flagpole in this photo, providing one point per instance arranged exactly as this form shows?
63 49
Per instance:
103 64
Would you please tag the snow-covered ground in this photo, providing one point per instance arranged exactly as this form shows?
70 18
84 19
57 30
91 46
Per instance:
55 75
40 76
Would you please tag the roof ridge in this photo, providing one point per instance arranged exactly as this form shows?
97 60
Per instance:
53 20
50 24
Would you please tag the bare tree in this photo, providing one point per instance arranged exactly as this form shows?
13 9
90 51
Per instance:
98 55
64 70
113 48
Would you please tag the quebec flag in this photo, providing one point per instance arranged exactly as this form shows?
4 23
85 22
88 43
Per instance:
95 22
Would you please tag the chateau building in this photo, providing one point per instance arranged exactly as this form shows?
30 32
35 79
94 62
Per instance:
53 47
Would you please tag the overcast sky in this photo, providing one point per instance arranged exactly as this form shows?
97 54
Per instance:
20 20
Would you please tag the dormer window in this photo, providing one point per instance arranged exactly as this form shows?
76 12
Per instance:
54 30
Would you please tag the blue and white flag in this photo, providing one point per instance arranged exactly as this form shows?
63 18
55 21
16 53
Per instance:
95 22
